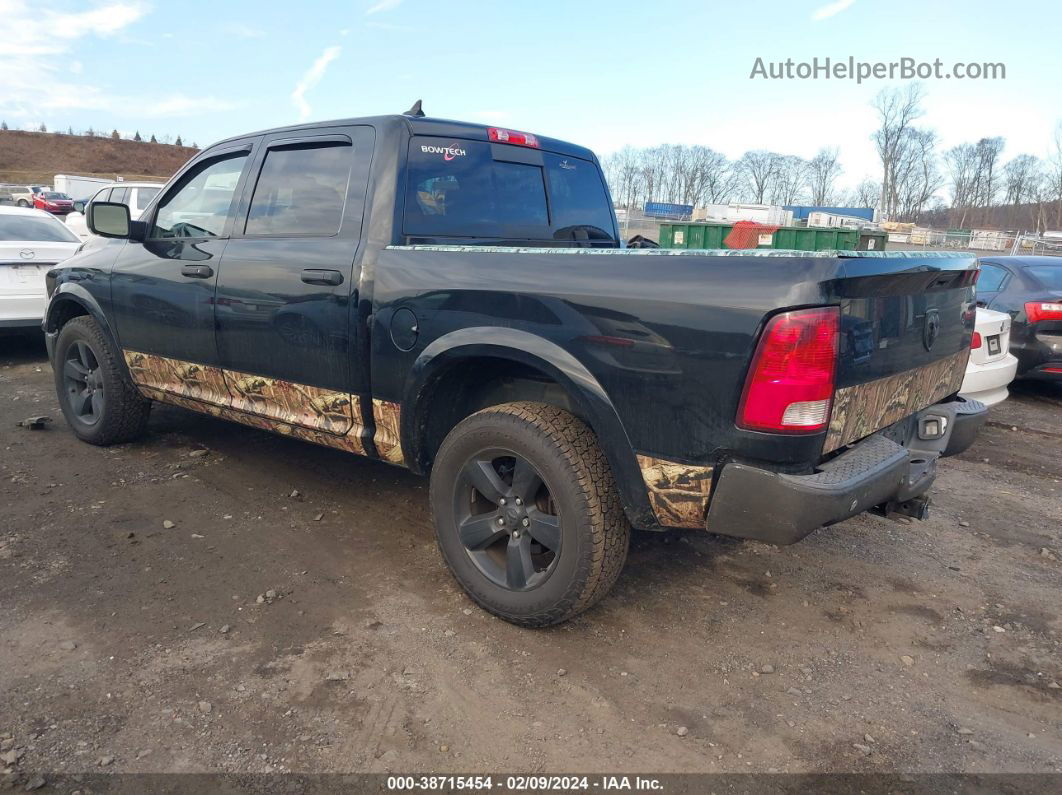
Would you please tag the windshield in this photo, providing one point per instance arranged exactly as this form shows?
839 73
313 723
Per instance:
28 227
1048 275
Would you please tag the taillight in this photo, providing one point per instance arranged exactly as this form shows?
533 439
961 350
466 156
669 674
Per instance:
789 387
975 341
501 136
1039 310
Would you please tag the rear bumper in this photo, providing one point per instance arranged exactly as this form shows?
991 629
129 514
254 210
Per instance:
1039 356
987 383
749 502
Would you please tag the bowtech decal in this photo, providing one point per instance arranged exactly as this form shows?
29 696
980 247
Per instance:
861 410
448 152
309 413
678 493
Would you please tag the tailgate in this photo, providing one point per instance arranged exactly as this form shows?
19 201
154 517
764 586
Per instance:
906 323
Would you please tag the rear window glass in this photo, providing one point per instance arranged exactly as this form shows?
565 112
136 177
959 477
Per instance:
1048 275
301 191
26 227
144 196
51 194
579 201
457 189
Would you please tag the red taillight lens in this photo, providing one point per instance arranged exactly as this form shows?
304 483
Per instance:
501 136
789 388
1039 310
975 341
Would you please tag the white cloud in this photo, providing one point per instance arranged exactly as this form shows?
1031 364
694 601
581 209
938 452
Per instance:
384 5
40 87
312 78
830 9
246 31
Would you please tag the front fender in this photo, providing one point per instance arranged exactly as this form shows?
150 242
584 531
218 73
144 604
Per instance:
70 291
593 404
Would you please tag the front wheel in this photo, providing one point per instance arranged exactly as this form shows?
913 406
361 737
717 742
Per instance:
99 401
526 513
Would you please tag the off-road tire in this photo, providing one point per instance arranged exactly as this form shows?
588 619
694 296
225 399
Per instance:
594 528
125 411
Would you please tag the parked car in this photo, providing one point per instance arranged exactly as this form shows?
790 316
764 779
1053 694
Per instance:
26 197
53 202
135 195
31 243
1029 289
453 298
992 366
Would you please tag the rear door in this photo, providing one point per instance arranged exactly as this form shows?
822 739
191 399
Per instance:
288 280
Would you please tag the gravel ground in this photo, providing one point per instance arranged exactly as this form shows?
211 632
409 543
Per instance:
214 598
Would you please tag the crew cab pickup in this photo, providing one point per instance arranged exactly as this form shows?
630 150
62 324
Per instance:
455 299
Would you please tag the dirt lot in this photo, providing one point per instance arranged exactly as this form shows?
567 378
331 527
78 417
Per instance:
271 606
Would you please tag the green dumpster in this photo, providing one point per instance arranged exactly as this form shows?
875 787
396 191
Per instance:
704 235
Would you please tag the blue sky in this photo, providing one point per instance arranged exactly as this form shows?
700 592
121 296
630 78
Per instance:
602 74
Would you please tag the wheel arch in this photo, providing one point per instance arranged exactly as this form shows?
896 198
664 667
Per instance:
71 300
445 367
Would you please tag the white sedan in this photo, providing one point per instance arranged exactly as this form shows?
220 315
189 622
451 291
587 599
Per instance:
31 243
991 366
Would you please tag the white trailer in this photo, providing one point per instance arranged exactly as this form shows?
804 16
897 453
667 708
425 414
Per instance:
79 188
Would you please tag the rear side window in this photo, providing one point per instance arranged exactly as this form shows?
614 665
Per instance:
991 278
119 195
144 196
457 189
301 190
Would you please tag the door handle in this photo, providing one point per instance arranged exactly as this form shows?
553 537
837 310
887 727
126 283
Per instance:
318 276
197 271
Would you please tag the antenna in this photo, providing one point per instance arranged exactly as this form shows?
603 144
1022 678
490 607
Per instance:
415 110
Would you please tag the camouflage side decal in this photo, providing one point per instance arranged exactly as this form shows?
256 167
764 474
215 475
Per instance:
387 437
197 381
303 412
860 410
292 404
678 493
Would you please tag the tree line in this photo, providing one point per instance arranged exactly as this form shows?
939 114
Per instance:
117 136
918 181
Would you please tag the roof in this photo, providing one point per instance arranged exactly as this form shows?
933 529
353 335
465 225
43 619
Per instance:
424 125
1025 262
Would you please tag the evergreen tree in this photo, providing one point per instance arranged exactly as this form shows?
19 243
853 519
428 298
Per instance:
153 139
43 127
178 141
69 130
137 136
115 135
3 125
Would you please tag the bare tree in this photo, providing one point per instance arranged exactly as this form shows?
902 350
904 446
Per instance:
790 179
867 193
823 171
759 170
917 177
1054 176
1018 178
897 109
986 182
961 162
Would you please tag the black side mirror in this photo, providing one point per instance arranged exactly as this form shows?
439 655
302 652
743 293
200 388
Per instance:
79 206
108 219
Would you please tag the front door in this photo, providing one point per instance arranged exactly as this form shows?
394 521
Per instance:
288 281
163 288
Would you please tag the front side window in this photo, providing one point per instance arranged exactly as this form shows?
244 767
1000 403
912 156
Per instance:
201 203
301 190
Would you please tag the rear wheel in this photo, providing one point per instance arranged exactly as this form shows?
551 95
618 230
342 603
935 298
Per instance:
99 401
526 513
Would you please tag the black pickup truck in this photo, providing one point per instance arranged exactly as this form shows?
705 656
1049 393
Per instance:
455 299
